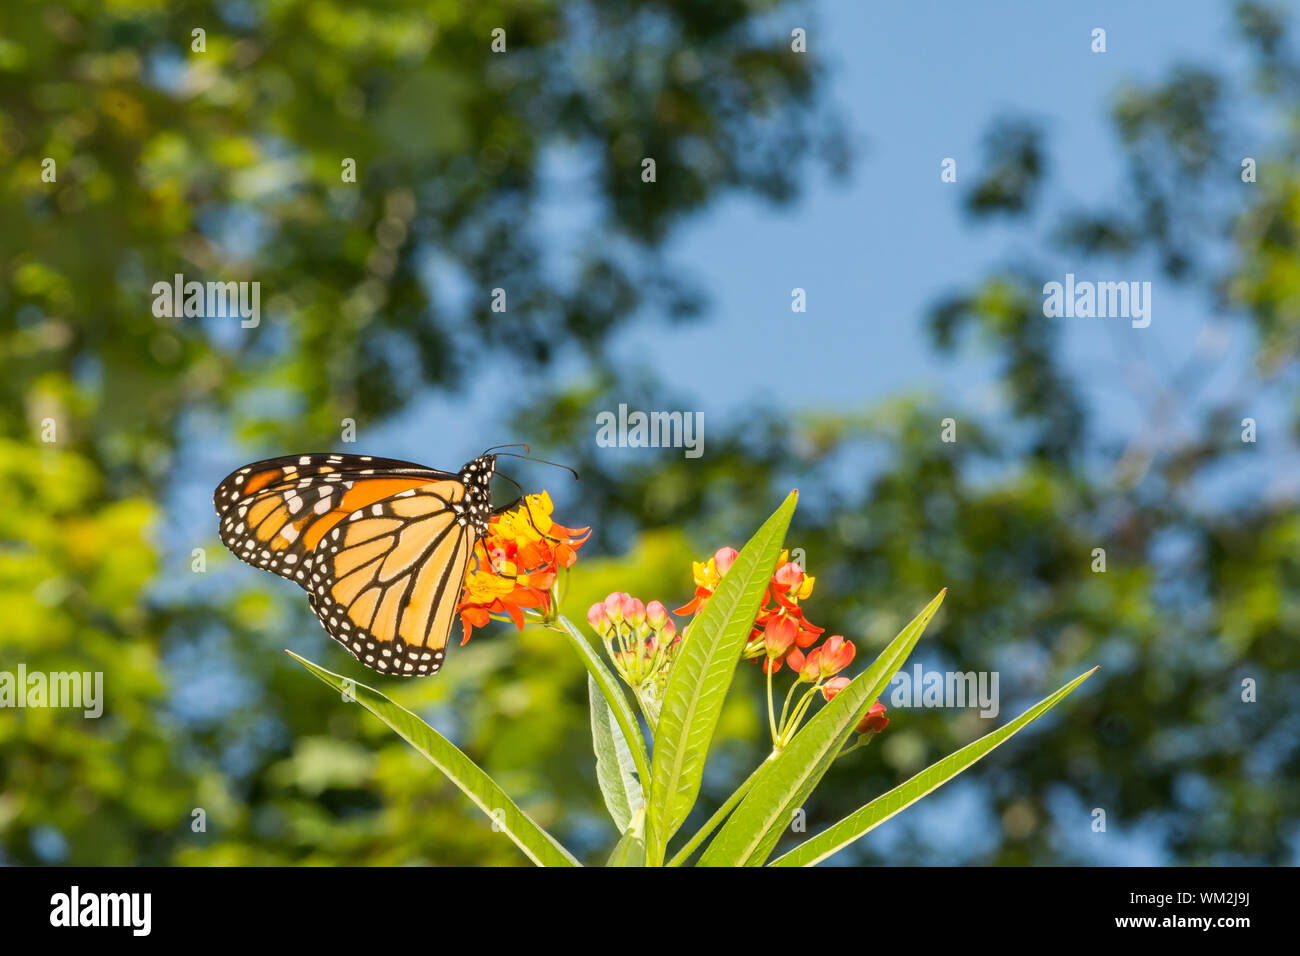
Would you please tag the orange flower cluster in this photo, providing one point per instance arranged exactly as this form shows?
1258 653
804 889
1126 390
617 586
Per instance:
780 628
781 635
515 564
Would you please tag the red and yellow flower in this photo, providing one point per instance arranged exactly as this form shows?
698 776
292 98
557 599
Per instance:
781 635
708 574
515 564
780 626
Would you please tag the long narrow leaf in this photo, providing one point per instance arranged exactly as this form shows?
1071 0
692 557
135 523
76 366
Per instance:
703 833
700 678
748 836
540 847
623 713
630 850
615 769
867 818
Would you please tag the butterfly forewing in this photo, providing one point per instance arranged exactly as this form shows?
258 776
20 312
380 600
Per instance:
381 546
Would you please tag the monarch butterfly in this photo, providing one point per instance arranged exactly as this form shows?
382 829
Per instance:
381 546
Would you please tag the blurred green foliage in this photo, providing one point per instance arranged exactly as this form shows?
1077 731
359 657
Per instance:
226 165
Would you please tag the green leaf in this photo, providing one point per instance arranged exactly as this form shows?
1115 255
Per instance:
753 829
623 713
540 847
700 677
867 818
615 769
702 834
630 850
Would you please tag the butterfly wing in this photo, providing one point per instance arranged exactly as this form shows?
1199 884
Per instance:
381 546
389 577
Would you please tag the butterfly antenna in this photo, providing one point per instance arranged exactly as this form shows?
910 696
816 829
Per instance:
517 485
517 444
543 461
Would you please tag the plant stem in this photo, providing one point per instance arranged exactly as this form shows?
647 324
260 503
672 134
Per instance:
785 708
801 708
771 716
650 708
702 834
862 741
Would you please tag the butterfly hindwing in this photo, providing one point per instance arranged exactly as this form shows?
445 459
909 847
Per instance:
390 577
381 546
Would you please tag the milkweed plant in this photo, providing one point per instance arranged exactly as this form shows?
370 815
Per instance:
656 693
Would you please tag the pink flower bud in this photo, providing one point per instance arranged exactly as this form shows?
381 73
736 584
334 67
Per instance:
656 614
834 686
724 558
597 618
633 611
614 606
789 575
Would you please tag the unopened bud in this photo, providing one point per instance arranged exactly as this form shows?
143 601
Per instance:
614 606
656 615
633 611
834 686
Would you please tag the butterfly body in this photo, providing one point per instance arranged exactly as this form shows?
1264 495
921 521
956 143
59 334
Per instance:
381 546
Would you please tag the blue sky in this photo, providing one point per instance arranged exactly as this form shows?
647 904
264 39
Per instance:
917 82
